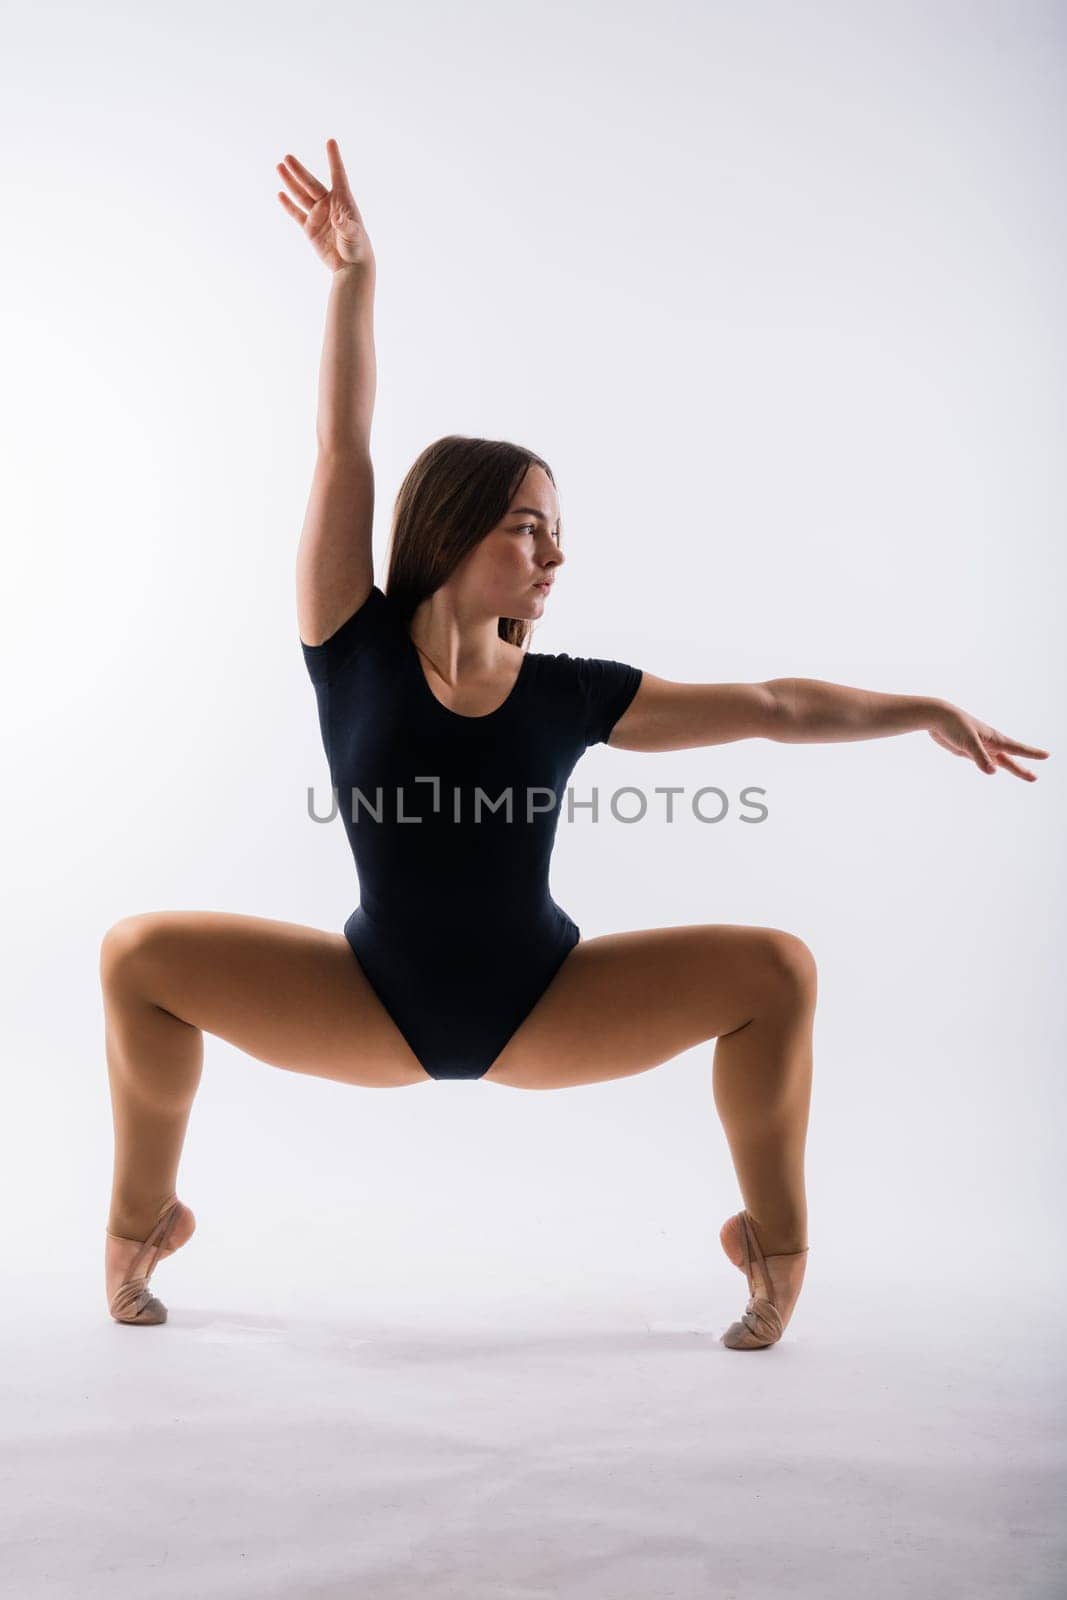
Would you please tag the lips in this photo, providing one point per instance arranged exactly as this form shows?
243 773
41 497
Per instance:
546 584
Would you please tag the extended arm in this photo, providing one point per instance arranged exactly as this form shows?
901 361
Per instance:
334 563
811 711
683 716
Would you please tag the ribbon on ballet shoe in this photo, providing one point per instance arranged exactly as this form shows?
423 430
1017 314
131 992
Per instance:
132 1301
761 1323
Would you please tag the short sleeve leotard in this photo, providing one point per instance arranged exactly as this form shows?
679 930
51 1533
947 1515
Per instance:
451 820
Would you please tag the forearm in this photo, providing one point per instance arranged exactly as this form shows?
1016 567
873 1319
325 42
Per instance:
810 711
348 371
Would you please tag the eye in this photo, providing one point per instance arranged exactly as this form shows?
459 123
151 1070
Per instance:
529 527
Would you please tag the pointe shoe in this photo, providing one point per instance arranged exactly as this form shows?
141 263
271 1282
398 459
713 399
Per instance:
131 1300
772 1286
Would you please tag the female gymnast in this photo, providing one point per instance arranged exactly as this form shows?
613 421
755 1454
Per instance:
450 744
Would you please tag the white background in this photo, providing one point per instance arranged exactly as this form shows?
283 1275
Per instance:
777 291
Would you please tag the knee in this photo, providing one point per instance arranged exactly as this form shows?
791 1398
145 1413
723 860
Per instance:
791 965
125 944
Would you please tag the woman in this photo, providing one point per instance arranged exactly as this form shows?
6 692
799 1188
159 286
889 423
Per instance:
450 746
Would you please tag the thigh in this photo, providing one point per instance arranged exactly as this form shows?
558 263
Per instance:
290 995
626 1002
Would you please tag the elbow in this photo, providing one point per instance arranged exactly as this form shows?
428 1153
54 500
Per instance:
779 709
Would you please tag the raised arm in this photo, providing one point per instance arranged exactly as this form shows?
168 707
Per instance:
684 716
334 562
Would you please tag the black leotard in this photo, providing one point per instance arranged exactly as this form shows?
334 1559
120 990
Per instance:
456 930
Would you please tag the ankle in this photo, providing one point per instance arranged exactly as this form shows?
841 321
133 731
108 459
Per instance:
779 1241
136 1221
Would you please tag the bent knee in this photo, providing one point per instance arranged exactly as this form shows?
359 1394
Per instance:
790 963
126 943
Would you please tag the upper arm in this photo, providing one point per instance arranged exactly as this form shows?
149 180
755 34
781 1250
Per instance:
683 716
334 563
338 653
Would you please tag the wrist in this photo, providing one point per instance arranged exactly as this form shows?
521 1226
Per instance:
354 271
933 710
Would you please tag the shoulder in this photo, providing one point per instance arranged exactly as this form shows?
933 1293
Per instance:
597 690
375 622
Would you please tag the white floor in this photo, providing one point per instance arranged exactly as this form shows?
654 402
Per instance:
575 1442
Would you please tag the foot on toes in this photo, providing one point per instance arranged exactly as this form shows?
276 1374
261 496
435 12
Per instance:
130 1262
774 1284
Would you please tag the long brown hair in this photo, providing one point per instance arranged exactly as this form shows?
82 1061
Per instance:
456 491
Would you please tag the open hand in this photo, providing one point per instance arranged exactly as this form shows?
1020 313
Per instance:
331 221
964 735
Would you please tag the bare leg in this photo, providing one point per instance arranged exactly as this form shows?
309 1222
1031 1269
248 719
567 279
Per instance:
762 1079
291 996
762 1084
624 1003
154 1062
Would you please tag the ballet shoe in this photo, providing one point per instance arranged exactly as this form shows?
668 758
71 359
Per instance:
774 1284
131 1300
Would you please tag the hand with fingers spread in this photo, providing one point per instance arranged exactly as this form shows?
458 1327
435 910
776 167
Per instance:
331 220
964 735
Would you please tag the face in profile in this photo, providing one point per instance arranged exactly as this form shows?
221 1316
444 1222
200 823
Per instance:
510 571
